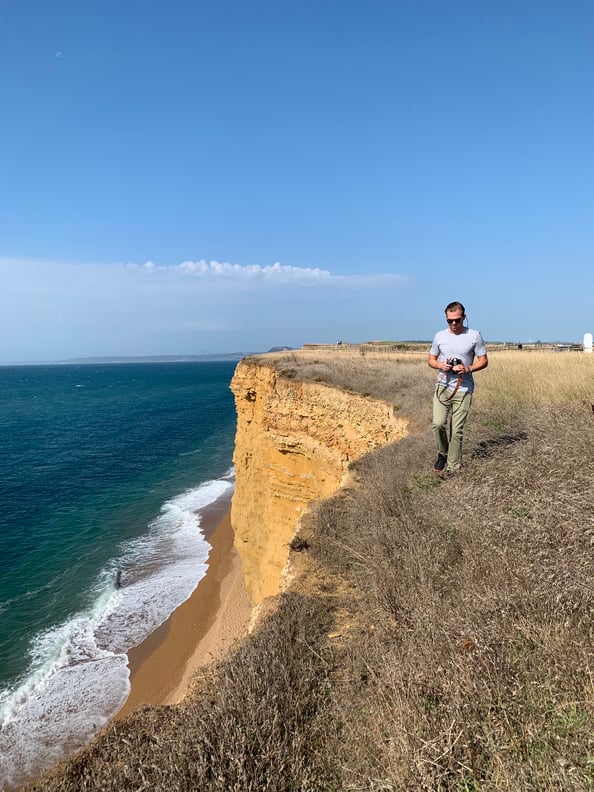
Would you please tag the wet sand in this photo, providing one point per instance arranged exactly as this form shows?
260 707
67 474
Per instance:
203 627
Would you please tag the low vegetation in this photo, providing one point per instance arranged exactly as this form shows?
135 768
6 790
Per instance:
439 635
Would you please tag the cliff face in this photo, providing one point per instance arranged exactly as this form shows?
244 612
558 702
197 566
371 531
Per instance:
293 445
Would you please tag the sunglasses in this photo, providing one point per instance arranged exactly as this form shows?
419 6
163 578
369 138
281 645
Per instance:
455 321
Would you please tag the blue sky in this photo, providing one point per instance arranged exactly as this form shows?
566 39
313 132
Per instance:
229 176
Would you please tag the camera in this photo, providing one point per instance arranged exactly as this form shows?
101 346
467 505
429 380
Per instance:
454 362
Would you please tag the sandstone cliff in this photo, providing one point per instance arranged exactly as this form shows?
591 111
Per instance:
293 445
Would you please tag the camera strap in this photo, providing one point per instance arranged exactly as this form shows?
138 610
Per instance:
453 393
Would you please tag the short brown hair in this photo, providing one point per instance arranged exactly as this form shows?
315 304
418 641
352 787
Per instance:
455 306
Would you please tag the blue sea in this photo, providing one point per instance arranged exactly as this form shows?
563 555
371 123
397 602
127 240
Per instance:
104 472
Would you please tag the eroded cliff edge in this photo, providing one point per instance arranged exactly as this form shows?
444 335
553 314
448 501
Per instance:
293 445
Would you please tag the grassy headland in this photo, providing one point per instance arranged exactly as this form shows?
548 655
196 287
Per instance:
438 635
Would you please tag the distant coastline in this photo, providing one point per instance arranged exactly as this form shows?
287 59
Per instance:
230 356
111 359
156 358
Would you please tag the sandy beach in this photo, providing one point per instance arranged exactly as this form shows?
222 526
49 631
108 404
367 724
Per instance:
201 630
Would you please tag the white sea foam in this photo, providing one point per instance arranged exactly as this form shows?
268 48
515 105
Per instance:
78 677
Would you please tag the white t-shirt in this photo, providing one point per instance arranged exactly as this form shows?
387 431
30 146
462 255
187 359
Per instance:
464 346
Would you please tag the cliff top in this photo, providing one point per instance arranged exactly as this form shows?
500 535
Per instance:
436 635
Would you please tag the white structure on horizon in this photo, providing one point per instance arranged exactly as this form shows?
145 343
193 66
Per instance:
588 342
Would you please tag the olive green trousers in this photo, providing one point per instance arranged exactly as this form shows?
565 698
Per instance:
449 417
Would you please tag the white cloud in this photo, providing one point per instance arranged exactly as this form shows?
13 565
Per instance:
274 273
59 310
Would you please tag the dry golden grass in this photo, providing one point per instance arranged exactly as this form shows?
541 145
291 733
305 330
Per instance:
514 378
477 672
445 641
526 378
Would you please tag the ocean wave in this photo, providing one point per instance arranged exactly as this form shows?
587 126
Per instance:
78 676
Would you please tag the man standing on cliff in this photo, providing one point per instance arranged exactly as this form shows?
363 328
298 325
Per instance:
456 352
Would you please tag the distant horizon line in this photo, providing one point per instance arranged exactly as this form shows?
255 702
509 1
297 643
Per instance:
221 356
105 359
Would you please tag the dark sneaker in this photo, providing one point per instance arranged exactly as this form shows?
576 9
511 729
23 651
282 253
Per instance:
440 463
